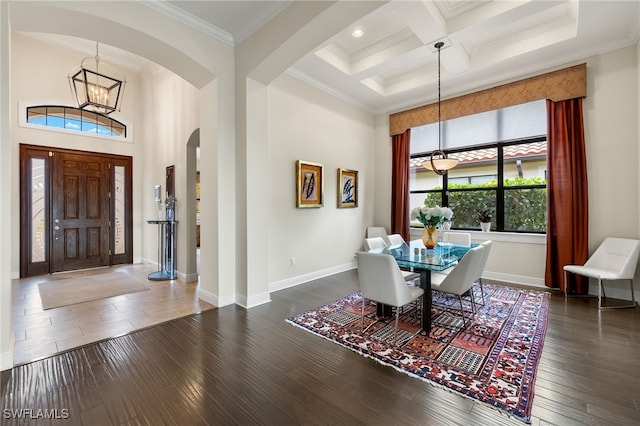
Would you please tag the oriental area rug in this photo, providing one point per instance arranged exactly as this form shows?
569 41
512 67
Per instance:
493 359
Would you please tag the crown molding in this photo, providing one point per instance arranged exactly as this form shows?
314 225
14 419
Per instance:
194 22
293 72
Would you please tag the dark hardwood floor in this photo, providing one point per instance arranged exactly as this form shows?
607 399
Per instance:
237 366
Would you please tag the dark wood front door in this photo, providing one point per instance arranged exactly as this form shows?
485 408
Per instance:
75 210
79 212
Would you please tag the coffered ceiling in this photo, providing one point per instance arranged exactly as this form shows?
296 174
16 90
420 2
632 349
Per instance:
393 65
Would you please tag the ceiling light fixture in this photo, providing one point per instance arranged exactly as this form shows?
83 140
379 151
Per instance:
438 162
97 86
357 33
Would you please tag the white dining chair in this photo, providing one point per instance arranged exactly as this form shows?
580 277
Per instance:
376 231
487 244
459 281
615 259
376 245
457 238
393 240
381 281
485 256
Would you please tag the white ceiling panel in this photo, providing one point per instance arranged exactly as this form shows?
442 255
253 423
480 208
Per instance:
393 65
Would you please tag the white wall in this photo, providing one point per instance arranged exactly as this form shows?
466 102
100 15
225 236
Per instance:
6 219
171 114
33 81
307 124
611 133
382 158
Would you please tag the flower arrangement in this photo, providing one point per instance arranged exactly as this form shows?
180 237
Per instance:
170 203
431 216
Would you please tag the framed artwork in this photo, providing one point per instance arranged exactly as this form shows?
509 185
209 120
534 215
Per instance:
309 184
347 188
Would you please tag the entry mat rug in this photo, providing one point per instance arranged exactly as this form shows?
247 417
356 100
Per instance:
493 359
80 289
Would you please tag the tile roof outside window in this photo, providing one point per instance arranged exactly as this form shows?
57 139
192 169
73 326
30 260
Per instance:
489 154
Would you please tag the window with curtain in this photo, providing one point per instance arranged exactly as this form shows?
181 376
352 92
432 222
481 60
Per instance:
502 168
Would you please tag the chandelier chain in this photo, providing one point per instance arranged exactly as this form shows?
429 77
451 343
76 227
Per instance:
439 45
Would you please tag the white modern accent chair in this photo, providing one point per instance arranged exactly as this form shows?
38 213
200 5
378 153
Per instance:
461 277
615 259
376 231
381 281
376 245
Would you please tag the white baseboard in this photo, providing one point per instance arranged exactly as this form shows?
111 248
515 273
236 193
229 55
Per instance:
208 297
187 278
615 290
215 300
151 262
516 279
300 279
253 301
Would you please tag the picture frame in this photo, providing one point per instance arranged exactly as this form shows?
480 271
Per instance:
309 184
347 188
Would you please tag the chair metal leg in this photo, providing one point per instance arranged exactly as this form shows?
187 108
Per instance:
395 331
602 295
481 291
473 301
565 285
464 320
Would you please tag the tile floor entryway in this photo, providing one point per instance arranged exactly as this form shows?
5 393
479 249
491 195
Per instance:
41 333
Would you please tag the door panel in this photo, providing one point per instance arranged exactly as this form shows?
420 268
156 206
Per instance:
34 211
122 205
80 212
87 196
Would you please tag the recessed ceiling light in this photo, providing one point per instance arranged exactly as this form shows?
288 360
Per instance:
357 33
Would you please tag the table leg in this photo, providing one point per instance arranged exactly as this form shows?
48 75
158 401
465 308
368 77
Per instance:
425 283
161 274
383 310
160 253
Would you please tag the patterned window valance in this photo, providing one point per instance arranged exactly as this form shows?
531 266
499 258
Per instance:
558 85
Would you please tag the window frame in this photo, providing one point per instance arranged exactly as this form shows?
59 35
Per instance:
500 189
23 121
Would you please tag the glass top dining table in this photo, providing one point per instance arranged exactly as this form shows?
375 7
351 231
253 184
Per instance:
416 256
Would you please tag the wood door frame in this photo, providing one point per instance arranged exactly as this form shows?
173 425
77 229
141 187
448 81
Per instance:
29 152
